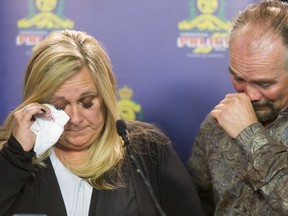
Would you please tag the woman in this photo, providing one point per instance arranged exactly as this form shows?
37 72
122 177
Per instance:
88 171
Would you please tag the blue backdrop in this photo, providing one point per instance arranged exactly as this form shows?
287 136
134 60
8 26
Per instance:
170 57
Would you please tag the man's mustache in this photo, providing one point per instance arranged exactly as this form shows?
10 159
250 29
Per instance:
257 104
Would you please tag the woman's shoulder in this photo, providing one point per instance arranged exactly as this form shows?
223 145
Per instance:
146 132
141 126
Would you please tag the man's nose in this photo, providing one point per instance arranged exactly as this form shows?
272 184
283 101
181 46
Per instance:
253 93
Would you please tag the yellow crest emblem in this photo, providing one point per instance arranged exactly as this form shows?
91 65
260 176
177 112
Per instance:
45 18
128 108
204 32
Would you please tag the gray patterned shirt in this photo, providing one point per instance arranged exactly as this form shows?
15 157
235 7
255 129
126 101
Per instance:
247 175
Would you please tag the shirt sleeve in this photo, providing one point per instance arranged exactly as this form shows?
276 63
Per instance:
198 166
16 167
267 170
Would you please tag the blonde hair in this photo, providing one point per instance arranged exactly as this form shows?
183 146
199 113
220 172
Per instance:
60 56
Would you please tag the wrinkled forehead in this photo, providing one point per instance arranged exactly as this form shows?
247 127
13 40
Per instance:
253 39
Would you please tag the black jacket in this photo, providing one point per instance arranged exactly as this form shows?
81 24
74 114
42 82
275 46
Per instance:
24 192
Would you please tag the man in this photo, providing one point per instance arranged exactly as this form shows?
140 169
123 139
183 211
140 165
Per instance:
239 160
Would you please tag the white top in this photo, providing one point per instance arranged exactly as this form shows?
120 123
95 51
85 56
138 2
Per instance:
76 192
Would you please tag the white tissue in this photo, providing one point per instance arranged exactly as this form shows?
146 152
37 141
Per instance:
48 131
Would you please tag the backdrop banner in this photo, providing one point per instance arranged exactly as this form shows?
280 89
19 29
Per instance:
170 57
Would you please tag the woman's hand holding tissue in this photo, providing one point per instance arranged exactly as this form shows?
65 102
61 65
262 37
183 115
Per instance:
23 119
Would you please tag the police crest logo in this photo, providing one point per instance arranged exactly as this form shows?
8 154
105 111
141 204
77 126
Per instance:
205 31
43 17
129 109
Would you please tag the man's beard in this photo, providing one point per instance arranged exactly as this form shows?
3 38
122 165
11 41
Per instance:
269 114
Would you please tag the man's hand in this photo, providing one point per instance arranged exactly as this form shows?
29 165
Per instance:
234 113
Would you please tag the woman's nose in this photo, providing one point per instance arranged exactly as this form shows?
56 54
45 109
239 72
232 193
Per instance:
74 113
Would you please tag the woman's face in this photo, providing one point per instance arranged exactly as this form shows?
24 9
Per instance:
79 98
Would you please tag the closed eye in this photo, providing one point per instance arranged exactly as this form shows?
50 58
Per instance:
88 101
238 79
264 85
59 108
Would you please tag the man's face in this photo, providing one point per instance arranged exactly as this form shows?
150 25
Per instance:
257 69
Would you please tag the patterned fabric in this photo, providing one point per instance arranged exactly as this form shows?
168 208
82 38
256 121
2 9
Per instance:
247 175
